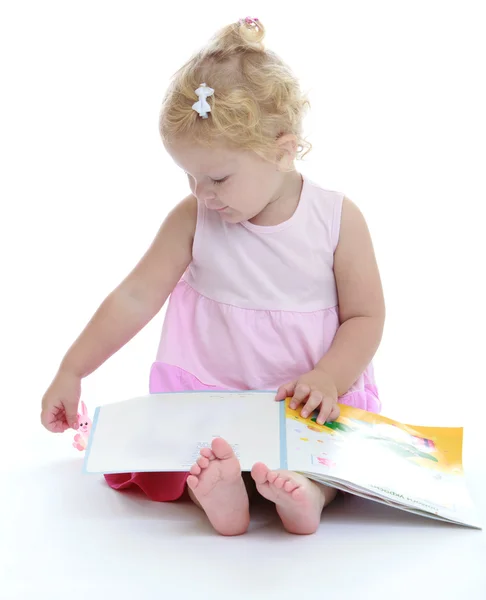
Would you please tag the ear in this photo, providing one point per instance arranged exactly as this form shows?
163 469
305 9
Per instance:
286 151
84 410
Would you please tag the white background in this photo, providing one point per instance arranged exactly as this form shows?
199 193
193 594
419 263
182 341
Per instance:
398 124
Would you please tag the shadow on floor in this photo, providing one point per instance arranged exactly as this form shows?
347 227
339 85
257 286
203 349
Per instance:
63 488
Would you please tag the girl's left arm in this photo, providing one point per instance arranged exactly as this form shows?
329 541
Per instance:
361 302
361 318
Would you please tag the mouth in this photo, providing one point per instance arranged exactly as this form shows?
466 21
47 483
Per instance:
220 209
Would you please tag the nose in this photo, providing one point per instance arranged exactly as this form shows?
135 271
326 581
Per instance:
206 195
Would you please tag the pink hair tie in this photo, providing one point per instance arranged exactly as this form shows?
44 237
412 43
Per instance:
249 21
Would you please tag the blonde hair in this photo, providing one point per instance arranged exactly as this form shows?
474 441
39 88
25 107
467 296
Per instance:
256 96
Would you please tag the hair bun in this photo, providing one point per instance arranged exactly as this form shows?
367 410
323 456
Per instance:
252 32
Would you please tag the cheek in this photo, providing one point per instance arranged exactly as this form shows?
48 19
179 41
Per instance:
258 195
190 181
247 196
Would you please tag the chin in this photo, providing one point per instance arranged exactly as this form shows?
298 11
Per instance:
231 218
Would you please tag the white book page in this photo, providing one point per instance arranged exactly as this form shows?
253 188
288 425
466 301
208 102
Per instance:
165 432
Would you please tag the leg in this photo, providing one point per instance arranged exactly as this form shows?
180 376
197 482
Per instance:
216 485
299 500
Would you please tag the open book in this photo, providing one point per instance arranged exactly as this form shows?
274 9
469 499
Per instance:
417 469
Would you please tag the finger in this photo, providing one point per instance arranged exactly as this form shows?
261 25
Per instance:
302 392
45 421
285 391
71 415
335 412
315 399
53 421
327 409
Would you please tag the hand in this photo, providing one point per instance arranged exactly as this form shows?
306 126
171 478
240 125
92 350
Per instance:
315 389
60 403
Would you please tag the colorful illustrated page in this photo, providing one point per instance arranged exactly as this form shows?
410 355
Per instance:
417 465
165 432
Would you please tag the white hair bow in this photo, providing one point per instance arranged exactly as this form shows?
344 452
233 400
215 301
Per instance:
202 106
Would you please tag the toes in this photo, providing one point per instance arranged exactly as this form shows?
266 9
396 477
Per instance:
195 469
290 486
281 481
207 453
272 476
203 462
259 473
222 449
298 493
192 482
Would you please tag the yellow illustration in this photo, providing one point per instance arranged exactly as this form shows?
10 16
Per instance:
439 448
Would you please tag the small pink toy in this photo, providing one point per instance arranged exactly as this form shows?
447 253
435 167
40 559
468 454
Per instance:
84 427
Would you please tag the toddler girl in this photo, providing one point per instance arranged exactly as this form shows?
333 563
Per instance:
272 280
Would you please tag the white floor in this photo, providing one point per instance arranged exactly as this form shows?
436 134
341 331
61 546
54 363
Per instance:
67 535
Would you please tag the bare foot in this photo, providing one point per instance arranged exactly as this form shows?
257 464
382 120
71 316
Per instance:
217 485
299 500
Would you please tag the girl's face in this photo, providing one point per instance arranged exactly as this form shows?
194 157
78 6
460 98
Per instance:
238 184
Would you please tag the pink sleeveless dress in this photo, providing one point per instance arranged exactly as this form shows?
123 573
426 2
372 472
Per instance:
256 308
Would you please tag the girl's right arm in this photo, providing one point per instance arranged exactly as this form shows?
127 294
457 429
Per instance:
125 311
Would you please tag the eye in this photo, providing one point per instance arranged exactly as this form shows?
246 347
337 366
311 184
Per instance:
219 181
